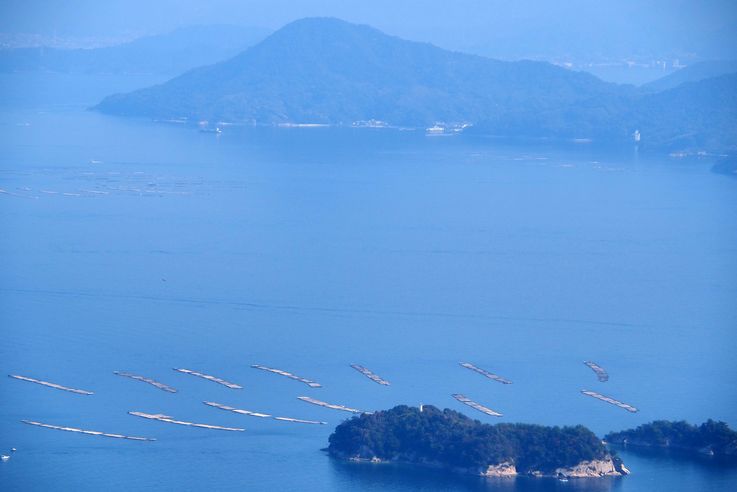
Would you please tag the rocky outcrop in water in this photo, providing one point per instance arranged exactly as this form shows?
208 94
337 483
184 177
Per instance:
597 468
505 469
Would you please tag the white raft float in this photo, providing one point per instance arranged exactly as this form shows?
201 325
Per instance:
319 403
210 378
308 382
51 385
601 374
610 400
165 418
261 415
477 406
89 432
152 382
486 373
371 375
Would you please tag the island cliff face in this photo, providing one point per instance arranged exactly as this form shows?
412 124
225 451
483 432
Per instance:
608 467
448 439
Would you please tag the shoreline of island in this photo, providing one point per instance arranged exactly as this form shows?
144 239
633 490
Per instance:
445 439
611 467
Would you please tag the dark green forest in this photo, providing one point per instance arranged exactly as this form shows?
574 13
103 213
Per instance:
712 436
449 438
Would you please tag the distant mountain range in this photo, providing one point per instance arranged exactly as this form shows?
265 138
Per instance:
170 53
692 73
323 70
694 116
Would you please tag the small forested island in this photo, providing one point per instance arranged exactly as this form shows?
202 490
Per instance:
448 439
711 437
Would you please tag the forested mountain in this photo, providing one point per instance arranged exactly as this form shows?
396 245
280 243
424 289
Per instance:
328 71
692 73
693 116
323 70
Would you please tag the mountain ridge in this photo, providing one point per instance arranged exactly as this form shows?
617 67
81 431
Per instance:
692 73
169 53
328 71
373 75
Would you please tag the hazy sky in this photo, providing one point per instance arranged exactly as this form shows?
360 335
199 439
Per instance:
498 27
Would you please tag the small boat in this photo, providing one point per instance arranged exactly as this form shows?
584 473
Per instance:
211 130
5 457
435 129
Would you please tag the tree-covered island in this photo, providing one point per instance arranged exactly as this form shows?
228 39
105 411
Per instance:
448 439
711 437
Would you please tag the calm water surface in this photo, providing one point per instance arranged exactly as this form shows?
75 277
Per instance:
141 246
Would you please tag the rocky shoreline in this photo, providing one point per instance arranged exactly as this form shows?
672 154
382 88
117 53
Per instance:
609 467
446 439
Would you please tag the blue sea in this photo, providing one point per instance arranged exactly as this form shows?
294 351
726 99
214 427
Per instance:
142 246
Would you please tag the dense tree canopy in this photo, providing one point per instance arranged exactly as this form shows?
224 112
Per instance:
449 438
711 435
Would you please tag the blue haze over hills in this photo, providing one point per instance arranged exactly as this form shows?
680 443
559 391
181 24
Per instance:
694 73
623 41
140 245
170 53
327 71
310 249
497 28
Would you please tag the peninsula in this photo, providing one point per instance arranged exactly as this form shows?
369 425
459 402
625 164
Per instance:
710 438
448 439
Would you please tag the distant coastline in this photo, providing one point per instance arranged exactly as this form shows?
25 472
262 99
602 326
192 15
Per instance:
709 439
353 75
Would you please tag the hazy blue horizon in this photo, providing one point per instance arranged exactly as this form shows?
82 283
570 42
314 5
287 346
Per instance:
332 196
508 30
144 246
